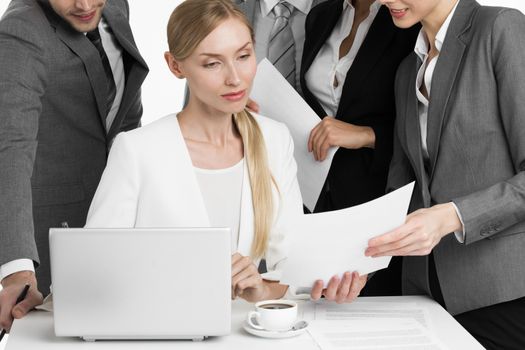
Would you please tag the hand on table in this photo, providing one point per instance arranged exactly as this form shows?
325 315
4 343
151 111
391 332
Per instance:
247 283
12 286
331 132
343 290
421 232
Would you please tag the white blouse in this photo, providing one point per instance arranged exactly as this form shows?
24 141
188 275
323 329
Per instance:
221 191
327 68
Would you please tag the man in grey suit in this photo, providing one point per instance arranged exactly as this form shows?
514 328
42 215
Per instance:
70 81
460 134
262 15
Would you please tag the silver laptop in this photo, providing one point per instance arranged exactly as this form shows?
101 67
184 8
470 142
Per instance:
141 283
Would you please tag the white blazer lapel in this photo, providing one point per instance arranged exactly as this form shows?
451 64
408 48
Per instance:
246 228
190 200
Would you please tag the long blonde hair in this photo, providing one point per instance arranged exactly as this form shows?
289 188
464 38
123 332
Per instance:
189 24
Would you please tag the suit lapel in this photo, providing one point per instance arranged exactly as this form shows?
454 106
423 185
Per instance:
246 225
86 52
185 179
413 132
135 67
445 74
122 31
379 37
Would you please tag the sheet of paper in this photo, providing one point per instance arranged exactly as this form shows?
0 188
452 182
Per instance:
279 100
327 244
371 311
377 333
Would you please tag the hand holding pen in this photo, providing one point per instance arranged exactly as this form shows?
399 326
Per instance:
18 296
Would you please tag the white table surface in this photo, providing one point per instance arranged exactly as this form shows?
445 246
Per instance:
36 332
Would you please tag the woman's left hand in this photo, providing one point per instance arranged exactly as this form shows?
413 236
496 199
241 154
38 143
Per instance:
331 132
247 283
343 290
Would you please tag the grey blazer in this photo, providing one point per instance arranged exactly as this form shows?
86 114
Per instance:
476 142
53 144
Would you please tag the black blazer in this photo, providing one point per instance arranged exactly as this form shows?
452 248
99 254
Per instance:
357 176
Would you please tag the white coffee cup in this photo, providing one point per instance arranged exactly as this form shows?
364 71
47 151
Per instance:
273 315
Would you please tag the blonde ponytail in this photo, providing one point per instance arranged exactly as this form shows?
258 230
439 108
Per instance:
261 180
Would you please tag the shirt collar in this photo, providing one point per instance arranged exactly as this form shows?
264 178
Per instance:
302 5
422 44
374 7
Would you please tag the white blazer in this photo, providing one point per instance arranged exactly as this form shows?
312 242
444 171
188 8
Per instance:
150 181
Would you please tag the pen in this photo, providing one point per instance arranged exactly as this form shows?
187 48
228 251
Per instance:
21 297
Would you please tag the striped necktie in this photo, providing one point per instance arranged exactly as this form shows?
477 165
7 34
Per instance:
281 47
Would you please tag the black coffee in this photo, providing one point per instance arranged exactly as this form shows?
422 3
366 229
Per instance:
275 306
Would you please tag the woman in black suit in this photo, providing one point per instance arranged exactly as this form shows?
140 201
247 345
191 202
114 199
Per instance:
351 53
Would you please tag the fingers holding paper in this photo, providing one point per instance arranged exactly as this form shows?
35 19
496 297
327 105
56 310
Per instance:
340 290
331 132
421 232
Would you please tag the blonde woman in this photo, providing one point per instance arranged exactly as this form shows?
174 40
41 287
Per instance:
213 163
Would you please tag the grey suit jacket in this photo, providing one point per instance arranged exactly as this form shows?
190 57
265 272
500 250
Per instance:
53 144
250 7
476 142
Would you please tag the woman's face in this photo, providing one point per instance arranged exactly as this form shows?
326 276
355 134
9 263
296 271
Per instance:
406 13
220 71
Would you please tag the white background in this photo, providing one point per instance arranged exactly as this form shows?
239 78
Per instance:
162 93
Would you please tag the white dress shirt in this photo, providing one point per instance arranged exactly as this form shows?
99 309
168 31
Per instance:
114 53
221 191
424 76
328 67
263 23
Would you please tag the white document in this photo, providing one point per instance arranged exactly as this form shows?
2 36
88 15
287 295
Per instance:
279 100
377 333
360 309
330 243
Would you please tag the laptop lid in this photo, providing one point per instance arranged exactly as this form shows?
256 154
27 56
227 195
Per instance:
141 283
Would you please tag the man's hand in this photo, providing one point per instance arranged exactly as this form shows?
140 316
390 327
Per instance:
340 290
12 286
331 132
421 232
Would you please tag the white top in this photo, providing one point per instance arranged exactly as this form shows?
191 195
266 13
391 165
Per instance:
424 76
150 181
327 68
263 23
221 191
114 53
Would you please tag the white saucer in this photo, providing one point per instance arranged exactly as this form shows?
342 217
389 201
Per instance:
276 334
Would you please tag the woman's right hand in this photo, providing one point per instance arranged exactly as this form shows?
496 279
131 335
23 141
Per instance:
343 290
247 283
331 132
